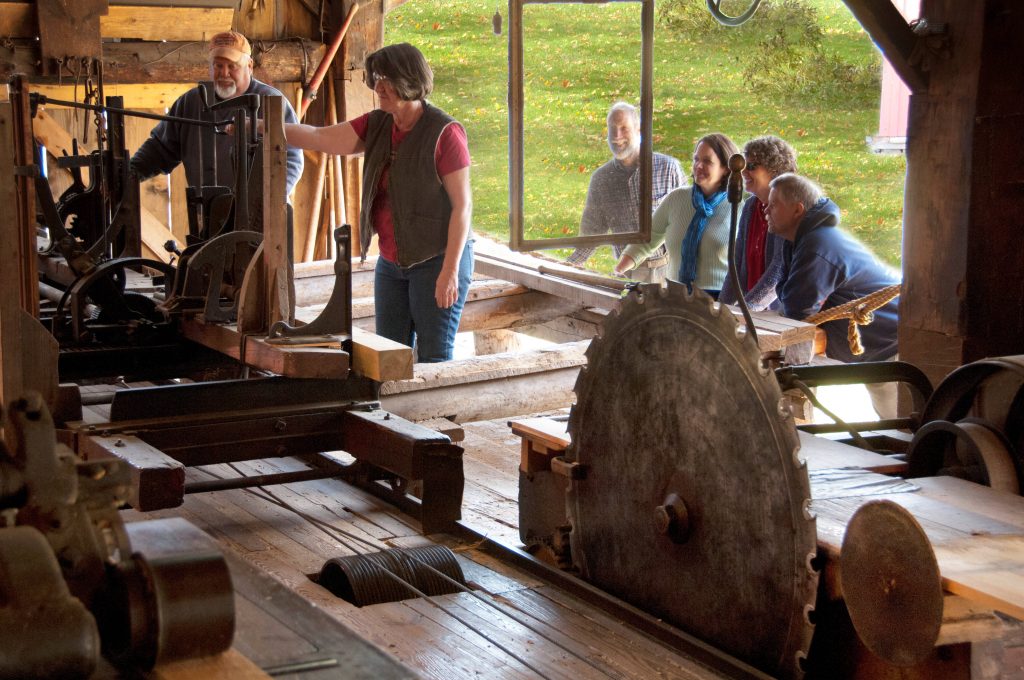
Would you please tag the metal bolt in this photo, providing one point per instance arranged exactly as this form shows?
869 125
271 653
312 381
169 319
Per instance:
280 425
387 416
673 519
119 442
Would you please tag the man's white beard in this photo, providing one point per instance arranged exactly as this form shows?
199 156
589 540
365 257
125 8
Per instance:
225 91
625 154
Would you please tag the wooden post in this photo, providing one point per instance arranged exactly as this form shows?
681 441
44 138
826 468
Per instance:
28 353
277 261
963 264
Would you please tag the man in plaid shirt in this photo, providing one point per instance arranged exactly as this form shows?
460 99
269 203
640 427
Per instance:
613 198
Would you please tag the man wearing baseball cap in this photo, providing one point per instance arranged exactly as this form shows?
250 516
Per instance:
171 143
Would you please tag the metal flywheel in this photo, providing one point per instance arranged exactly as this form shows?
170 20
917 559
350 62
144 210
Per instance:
691 502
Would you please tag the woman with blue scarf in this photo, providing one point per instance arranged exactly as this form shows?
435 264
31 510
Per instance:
693 222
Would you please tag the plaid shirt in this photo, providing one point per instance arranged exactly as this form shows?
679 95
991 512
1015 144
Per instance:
613 200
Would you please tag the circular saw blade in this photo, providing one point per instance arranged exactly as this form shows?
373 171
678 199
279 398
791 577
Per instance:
694 504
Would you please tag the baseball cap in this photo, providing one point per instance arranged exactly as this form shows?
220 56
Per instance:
229 44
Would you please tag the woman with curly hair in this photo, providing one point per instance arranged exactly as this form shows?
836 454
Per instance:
758 253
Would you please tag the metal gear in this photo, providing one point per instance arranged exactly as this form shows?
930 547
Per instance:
974 426
689 500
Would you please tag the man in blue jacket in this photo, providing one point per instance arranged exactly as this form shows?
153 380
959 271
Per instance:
826 267
172 142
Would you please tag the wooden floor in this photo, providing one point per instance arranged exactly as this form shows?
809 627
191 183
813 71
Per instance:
510 626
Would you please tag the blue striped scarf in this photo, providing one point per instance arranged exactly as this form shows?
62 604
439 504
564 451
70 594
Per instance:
703 208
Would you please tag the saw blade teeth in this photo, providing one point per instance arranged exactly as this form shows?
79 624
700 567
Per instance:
811 569
808 513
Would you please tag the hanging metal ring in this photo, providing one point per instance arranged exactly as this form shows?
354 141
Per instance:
715 7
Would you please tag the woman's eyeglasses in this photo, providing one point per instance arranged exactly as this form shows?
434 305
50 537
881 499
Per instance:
371 79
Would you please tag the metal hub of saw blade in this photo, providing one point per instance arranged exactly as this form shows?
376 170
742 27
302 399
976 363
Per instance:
693 504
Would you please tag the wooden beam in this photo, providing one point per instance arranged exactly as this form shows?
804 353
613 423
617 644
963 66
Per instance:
890 31
157 480
380 359
485 388
294 362
166 23
169 62
278 277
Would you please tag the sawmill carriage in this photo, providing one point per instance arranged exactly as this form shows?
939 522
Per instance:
711 523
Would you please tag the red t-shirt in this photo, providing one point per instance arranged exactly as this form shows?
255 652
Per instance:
451 154
757 234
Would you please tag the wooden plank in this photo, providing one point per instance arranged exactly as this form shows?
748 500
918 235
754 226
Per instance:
550 433
482 388
596 636
500 625
166 23
378 358
157 480
492 260
959 493
891 33
155 235
821 453
296 362
967 621
436 645
985 569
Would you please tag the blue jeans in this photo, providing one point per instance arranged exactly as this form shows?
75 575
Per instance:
407 311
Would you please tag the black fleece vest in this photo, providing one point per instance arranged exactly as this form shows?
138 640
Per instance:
420 207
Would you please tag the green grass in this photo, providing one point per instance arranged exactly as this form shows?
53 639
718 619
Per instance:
580 58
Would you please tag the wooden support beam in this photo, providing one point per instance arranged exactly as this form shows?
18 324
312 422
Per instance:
963 268
167 62
484 388
157 480
890 31
277 246
166 23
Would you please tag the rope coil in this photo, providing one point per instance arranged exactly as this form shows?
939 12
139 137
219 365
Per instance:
860 312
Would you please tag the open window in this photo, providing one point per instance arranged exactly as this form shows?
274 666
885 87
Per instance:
563 85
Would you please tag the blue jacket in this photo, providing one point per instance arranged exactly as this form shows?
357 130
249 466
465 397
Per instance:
826 267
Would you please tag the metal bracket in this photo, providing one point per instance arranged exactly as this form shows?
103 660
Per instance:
336 318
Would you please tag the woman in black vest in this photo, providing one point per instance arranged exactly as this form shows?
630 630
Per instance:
416 186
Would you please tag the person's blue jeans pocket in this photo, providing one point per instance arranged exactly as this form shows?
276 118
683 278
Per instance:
407 311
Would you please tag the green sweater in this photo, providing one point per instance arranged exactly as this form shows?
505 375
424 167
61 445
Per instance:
668 226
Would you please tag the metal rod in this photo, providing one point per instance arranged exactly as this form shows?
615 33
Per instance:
321 70
868 426
260 480
43 99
